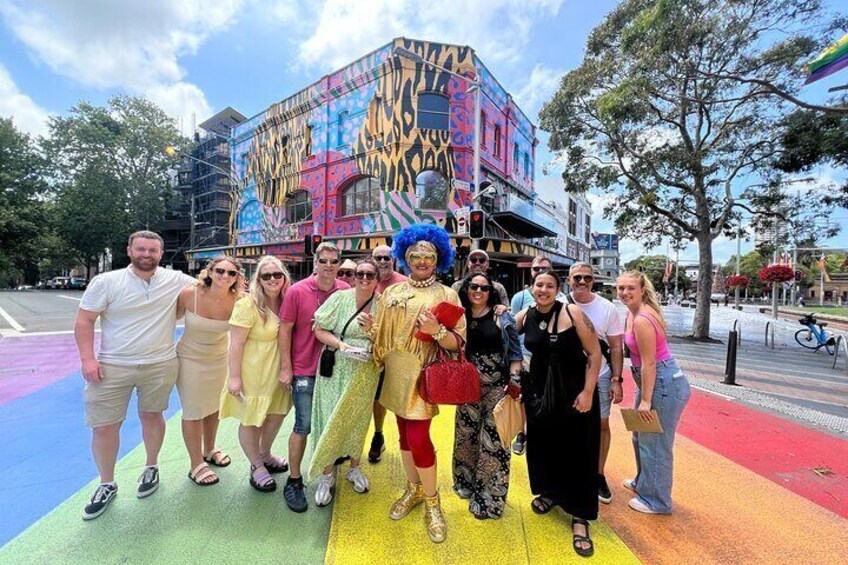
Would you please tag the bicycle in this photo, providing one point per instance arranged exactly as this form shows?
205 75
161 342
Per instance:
814 329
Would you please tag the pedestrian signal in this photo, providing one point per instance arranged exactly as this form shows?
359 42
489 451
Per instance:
311 243
477 224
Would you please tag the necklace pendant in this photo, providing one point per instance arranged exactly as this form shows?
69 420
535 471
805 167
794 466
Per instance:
543 325
473 325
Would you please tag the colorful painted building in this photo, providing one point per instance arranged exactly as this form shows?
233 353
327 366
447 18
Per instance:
382 143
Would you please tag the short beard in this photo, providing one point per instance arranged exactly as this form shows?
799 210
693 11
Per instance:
136 263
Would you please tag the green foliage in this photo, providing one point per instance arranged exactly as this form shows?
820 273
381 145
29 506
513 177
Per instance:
654 268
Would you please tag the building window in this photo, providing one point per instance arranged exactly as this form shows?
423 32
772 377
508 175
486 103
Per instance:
587 228
497 143
340 127
433 111
361 197
483 128
432 190
298 207
527 165
572 217
307 141
515 158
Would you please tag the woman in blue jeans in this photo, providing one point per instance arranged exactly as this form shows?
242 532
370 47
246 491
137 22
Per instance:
661 386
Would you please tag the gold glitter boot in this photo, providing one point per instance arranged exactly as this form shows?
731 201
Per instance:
434 519
412 497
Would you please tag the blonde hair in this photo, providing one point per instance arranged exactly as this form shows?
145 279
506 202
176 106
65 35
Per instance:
649 295
257 293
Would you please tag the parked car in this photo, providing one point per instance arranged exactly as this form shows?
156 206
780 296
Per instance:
78 283
23 287
58 283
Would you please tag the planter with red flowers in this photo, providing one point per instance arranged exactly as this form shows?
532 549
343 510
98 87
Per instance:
737 281
776 274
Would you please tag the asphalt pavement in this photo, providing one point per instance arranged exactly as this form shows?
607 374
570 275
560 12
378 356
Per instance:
35 311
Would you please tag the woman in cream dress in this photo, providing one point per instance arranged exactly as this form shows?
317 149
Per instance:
202 353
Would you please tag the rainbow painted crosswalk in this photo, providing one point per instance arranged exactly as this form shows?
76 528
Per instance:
750 487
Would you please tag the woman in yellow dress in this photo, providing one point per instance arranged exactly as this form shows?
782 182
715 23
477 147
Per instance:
402 310
253 393
202 352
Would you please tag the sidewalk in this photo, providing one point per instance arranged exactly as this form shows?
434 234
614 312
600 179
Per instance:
750 487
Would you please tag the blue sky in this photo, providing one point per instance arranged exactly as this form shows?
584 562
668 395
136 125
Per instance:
194 57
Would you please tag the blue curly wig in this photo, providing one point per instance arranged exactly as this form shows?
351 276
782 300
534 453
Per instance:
436 235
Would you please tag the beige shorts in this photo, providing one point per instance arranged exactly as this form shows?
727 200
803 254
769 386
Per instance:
106 401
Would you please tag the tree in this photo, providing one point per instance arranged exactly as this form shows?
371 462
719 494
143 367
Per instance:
112 171
654 268
23 212
651 115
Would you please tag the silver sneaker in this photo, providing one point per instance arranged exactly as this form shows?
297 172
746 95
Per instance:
359 480
324 492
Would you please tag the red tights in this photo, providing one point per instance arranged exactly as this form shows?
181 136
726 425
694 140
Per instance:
415 437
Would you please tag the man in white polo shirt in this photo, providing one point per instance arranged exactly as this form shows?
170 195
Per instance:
607 324
138 315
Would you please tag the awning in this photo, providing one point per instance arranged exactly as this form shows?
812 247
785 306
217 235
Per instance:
522 226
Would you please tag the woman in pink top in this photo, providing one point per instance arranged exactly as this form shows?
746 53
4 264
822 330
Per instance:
661 386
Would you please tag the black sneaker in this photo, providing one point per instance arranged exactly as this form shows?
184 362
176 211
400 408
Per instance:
148 482
101 499
604 492
378 446
295 495
519 445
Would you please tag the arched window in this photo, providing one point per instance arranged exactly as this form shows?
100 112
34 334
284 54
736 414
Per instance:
432 190
361 197
433 111
298 207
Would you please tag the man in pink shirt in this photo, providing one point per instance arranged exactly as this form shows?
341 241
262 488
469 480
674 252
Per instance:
299 354
382 254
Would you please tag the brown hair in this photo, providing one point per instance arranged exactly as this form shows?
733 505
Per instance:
146 234
649 295
204 279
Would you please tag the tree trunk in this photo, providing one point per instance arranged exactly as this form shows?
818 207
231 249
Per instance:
701 324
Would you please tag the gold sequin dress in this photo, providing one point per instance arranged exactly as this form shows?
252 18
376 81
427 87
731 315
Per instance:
398 350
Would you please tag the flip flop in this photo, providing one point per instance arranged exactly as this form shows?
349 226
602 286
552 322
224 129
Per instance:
541 505
221 461
199 474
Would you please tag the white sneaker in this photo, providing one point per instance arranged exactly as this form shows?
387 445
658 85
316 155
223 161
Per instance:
359 480
640 506
630 484
324 492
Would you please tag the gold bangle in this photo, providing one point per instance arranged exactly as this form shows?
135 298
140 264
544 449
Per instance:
441 334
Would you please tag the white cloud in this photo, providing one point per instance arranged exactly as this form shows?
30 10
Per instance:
184 101
497 29
538 89
134 45
27 116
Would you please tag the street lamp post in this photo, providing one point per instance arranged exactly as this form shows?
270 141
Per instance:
738 253
476 85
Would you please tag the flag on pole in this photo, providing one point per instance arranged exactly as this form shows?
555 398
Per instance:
822 270
667 273
829 61
788 260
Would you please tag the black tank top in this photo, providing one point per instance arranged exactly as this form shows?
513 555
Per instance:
484 336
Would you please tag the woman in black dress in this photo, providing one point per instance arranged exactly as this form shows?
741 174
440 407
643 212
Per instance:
563 414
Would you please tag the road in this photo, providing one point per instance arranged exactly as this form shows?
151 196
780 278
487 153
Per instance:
35 311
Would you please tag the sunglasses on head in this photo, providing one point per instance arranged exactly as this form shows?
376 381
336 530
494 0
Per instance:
382 258
581 278
480 287
330 261
222 271
366 275
268 276
344 273
478 260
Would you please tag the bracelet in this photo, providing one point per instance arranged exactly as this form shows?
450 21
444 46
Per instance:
617 379
441 334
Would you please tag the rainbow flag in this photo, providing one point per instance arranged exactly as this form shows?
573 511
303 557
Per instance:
832 59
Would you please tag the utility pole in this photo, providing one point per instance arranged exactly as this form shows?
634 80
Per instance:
191 231
676 271
738 252
774 262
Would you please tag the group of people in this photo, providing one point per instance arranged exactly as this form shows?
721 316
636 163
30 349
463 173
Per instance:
349 343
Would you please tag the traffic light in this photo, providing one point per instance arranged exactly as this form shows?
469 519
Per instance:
311 243
477 224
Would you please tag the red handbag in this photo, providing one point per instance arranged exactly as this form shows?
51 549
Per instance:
449 381
447 314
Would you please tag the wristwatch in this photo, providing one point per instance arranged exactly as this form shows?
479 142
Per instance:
617 379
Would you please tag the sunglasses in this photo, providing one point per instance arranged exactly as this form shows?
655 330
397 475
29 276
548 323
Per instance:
581 278
345 273
480 287
538 269
366 275
428 258
330 261
221 271
478 260
382 258
268 276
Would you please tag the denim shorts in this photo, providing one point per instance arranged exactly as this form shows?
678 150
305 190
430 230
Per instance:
604 383
302 389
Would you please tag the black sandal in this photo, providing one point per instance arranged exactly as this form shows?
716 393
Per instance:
579 539
541 505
